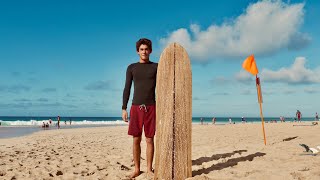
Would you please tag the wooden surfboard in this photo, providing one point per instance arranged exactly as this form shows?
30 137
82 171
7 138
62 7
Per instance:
173 114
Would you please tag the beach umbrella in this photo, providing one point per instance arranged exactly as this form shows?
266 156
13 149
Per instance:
250 65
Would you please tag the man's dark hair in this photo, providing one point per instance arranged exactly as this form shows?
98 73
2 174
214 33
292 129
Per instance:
144 41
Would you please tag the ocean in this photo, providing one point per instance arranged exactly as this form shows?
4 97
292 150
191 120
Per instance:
14 126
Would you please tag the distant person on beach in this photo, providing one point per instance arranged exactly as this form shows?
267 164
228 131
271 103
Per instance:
201 121
243 120
50 121
214 120
317 117
58 119
282 119
65 122
70 121
45 125
143 109
230 120
298 115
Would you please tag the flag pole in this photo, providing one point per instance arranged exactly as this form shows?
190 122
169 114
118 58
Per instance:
260 103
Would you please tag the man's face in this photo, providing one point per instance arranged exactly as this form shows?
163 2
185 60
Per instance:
144 52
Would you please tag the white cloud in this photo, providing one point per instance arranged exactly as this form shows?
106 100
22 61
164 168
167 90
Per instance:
18 88
288 91
221 94
246 92
263 29
198 98
99 85
296 74
243 76
220 80
311 90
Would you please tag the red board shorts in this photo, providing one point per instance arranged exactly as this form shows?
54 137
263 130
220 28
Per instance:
142 116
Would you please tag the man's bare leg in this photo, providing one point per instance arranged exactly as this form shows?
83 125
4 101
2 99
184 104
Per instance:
150 153
136 156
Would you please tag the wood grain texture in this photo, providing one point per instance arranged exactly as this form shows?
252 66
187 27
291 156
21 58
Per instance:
174 114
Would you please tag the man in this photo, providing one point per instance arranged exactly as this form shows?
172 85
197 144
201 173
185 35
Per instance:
143 109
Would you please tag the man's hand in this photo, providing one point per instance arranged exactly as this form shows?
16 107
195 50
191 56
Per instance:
125 115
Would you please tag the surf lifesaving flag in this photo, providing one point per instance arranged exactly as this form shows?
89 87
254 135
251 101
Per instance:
250 65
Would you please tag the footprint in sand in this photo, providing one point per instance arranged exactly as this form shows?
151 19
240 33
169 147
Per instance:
18 152
296 175
100 168
59 173
84 172
74 165
2 173
123 167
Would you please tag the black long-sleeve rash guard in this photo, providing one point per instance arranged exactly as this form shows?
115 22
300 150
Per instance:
144 77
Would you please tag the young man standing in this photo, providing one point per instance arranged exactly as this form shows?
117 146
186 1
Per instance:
143 109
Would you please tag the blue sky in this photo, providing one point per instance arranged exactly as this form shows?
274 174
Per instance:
69 57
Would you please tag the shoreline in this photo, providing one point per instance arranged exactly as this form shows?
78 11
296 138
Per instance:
20 131
23 130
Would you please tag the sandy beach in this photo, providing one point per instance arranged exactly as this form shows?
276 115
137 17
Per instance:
227 151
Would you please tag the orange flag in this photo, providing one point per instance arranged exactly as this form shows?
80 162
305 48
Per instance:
250 65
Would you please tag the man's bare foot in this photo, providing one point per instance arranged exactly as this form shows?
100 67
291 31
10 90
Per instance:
150 171
150 175
135 174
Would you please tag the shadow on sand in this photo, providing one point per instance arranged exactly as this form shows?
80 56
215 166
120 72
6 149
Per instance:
216 157
219 166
